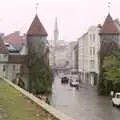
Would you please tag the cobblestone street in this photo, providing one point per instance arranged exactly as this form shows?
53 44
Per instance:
82 104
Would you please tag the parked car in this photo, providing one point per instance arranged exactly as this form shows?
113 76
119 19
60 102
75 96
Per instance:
116 100
64 79
74 82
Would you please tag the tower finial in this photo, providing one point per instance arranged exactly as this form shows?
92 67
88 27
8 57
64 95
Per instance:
36 6
109 6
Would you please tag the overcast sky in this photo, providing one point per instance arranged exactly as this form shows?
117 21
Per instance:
74 16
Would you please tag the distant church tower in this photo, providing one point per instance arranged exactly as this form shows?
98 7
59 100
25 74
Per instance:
56 32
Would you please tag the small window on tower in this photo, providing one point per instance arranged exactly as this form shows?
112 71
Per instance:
93 37
4 68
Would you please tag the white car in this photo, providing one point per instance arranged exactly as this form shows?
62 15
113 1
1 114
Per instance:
116 100
74 82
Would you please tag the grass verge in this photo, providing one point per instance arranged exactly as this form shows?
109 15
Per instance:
15 106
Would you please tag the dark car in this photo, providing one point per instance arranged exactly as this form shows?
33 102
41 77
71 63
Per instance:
64 79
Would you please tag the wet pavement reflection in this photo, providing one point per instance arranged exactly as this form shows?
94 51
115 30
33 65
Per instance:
82 104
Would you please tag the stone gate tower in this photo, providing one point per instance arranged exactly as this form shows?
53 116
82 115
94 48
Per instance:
37 38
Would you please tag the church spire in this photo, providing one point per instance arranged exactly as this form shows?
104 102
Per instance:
56 32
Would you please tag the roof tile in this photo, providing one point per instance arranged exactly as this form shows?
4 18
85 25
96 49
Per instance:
36 28
15 39
109 26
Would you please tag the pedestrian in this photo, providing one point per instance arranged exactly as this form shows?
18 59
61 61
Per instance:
47 100
114 93
111 93
77 87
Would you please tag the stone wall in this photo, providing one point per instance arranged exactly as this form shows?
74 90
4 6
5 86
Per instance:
12 70
38 45
3 69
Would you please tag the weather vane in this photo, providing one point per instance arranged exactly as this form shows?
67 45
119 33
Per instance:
36 6
109 6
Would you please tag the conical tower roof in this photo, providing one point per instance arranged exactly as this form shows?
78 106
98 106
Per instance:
36 28
109 26
3 48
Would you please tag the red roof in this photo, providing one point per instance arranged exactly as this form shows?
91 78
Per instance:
15 39
109 26
36 28
3 48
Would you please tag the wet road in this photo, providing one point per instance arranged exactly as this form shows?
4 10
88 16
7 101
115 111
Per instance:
82 104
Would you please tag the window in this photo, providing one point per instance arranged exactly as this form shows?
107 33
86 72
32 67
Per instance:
92 51
90 38
4 68
92 64
117 96
93 37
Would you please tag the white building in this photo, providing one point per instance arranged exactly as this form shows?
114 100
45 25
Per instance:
70 56
9 62
88 63
57 53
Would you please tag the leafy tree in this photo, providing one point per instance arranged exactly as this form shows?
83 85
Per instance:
109 65
111 72
40 75
40 78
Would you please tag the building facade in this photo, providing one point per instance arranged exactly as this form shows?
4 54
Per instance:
70 57
92 47
88 61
